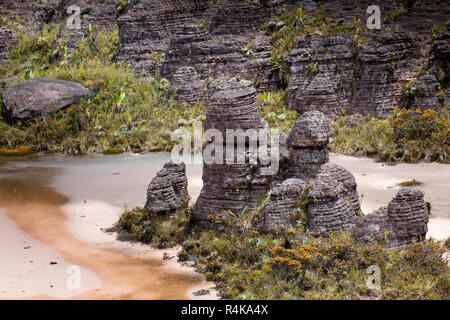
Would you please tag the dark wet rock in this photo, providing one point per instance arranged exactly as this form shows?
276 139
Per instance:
167 192
284 206
40 96
426 90
329 208
230 187
403 221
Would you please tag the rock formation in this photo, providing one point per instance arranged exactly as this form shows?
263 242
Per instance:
167 192
6 39
308 184
307 143
403 221
284 206
230 186
41 96
322 72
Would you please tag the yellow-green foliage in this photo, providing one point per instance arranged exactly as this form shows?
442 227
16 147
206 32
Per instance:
20 151
289 264
125 111
406 136
275 111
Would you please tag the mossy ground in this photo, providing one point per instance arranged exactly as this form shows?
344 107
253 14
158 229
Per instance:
291 265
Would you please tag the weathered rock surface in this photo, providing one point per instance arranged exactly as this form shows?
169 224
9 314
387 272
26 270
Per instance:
284 206
403 221
230 186
347 180
329 208
385 69
322 72
307 142
328 75
6 39
167 192
215 38
40 96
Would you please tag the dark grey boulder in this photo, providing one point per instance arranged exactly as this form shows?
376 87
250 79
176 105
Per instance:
40 96
167 192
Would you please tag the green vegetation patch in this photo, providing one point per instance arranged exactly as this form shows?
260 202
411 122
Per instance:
409 136
291 265
125 111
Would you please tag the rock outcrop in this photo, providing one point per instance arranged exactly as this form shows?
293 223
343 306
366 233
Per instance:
6 39
322 72
326 191
329 208
230 187
284 206
167 192
403 221
40 96
307 143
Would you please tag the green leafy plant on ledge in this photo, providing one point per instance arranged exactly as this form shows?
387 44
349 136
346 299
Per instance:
289 264
124 112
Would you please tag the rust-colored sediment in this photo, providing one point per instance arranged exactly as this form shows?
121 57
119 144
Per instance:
36 209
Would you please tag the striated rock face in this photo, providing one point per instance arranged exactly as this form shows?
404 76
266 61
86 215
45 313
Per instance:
284 206
328 75
6 39
230 186
329 208
307 142
167 192
403 221
322 72
189 87
426 93
41 96
99 12
346 180
332 201
216 38
385 69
